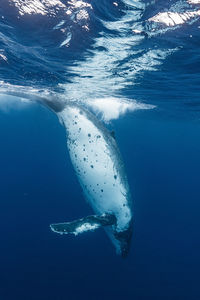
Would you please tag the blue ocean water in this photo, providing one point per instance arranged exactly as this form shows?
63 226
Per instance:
141 54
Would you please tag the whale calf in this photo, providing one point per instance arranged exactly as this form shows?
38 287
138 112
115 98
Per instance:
100 171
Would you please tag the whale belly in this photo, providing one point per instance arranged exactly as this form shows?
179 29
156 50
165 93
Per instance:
97 163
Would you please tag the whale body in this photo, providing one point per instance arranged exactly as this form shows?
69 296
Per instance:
100 171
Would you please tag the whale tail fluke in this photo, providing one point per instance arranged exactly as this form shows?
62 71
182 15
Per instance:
88 223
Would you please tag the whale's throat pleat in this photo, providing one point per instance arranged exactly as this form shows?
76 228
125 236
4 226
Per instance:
88 223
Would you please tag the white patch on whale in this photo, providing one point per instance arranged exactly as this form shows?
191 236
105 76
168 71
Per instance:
85 227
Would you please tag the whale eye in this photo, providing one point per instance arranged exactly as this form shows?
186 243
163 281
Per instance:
89 134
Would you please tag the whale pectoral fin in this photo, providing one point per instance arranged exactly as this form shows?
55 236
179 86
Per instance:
88 223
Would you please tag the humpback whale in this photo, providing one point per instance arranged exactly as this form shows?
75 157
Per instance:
97 162
98 165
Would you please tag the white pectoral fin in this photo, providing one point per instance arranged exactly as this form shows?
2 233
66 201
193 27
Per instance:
89 223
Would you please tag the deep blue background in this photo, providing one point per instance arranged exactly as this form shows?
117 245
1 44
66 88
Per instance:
38 186
160 148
